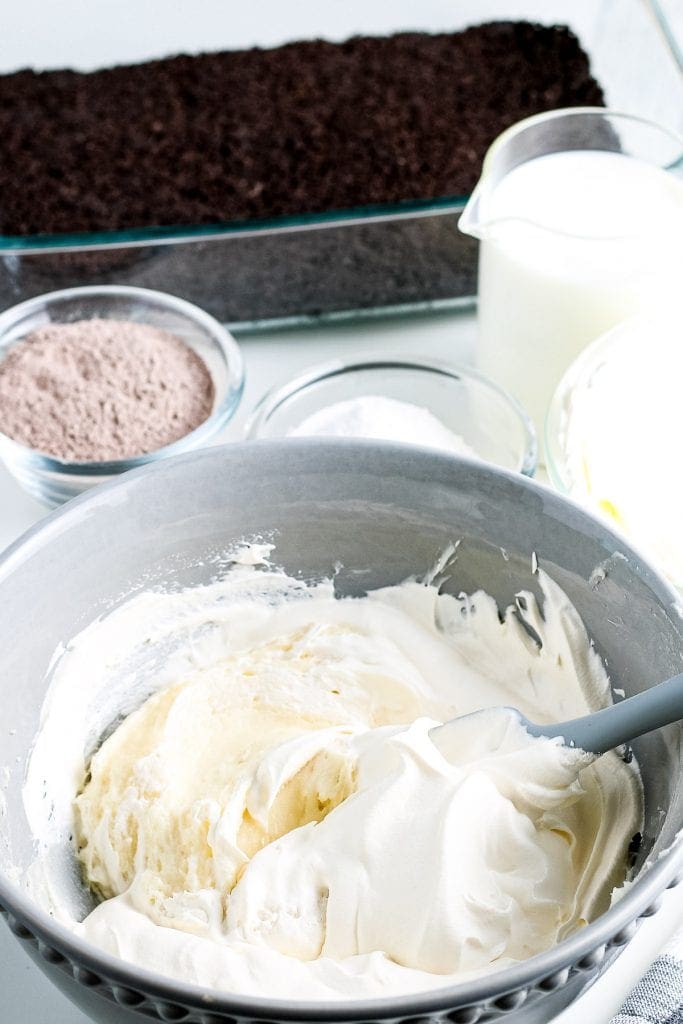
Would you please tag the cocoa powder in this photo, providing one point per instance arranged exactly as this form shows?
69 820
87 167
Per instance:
98 390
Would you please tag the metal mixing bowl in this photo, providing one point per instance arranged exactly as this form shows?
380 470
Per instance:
384 512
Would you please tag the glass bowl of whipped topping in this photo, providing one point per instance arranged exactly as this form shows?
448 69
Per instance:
612 434
428 403
98 380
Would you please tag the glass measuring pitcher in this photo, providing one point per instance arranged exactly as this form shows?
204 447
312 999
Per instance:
580 217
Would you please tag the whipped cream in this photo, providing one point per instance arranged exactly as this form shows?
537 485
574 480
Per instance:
278 812
382 419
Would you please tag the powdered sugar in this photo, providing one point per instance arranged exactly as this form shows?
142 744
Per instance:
384 419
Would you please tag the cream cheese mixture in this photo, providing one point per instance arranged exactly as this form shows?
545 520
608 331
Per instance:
278 816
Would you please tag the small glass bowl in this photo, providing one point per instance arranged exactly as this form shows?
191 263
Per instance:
53 481
490 421
611 434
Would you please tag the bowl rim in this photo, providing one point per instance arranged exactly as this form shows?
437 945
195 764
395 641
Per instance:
42 462
276 396
579 376
637 900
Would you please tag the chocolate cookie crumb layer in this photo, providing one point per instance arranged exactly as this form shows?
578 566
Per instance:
302 128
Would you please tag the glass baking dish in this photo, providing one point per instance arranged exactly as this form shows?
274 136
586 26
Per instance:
344 263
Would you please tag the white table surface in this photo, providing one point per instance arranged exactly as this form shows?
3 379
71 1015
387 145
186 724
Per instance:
24 994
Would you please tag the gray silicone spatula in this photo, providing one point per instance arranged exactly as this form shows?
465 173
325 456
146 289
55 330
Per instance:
617 724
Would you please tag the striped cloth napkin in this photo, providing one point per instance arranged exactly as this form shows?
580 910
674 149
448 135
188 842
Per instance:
658 998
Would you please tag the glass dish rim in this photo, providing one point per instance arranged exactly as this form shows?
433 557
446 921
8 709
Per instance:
276 396
42 462
666 29
85 241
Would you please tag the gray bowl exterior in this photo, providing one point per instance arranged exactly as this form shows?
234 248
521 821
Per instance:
383 512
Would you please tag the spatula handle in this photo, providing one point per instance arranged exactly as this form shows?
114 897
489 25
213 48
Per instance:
621 722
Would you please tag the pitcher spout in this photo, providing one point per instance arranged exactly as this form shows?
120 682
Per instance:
471 219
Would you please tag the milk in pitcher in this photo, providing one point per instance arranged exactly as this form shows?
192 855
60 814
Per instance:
572 243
